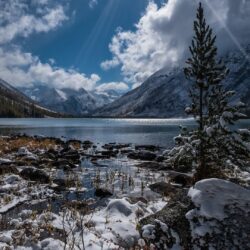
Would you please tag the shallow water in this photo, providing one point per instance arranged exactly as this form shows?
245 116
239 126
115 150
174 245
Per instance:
138 131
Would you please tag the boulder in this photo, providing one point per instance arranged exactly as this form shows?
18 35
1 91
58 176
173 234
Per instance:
150 165
73 157
34 174
60 184
114 146
5 161
220 217
180 178
8 169
164 188
152 148
142 155
160 158
87 144
23 151
102 192
168 226
109 153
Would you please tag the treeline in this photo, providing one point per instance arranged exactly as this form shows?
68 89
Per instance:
16 105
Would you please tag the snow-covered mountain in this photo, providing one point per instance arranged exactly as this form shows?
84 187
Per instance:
70 101
165 94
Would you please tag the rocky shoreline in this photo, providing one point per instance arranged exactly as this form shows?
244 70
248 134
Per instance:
124 195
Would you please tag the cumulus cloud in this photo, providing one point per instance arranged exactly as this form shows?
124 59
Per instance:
117 86
19 18
22 18
162 35
24 70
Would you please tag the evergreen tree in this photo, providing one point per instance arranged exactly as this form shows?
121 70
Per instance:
214 144
204 71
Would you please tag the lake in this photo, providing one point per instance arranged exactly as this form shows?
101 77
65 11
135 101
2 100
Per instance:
137 131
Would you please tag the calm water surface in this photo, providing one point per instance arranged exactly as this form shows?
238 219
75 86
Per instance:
136 131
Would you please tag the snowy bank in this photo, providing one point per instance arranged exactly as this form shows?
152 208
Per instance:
220 218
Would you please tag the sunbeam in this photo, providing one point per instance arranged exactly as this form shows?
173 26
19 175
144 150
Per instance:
228 31
101 27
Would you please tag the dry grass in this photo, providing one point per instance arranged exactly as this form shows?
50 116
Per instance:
8 145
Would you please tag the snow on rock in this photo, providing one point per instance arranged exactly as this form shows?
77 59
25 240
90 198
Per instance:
11 179
220 219
212 195
51 244
121 206
116 225
23 151
3 160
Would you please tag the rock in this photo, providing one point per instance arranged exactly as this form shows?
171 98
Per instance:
164 188
60 184
161 228
52 153
59 162
67 149
152 148
220 217
160 158
87 144
5 161
180 178
30 157
59 181
74 141
114 146
45 161
73 157
12 179
109 153
23 151
135 199
102 192
150 165
126 151
34 174
119 206
6 239
142 155
183 168
8 169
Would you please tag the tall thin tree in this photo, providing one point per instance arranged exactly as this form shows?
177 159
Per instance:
202 70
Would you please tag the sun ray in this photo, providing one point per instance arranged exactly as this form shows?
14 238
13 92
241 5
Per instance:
228 31
101 27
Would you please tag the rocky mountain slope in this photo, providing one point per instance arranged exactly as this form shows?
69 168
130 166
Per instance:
75 102
13 103
165 94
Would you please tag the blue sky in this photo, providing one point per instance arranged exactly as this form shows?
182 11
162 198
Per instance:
106 44
83 41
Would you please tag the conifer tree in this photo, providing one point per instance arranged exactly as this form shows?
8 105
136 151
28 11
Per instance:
203 70
215 144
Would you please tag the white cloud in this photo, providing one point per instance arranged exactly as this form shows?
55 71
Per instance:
163 34
117 86
21 18
27 24
24 70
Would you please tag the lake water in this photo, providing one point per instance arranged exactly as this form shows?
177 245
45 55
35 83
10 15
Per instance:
137 131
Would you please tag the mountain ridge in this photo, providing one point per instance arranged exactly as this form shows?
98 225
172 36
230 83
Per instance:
70 101
165 93
14 103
